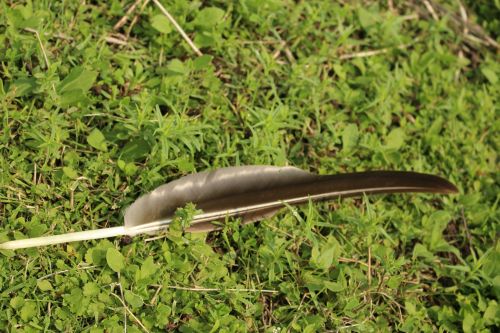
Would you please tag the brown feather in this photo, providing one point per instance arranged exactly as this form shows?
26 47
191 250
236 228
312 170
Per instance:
254 192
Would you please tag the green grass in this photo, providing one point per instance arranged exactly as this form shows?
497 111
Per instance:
83 137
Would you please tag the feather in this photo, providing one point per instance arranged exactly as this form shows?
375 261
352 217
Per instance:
248 192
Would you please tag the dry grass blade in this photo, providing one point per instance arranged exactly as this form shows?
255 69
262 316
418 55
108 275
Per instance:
431 10
473 34
125 18
178 27
45 58
117 41
131 313
136 17
371 53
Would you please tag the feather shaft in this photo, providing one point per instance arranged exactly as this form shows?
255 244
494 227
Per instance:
64 238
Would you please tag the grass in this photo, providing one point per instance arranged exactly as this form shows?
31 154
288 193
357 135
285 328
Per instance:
89 123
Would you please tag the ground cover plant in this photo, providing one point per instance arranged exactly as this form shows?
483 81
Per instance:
93 116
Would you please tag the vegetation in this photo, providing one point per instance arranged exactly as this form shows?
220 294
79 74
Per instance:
92 117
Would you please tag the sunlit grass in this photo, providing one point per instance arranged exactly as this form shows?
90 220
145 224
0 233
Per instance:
279 83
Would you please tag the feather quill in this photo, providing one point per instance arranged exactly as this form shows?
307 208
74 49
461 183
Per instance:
248 192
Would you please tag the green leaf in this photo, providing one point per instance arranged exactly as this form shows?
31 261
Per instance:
23 87
185 164
492 313
28 311
97 254
205 39
202 62
73 97
209 17
367 18
341 73
350 137
115 259
130 169
70 172
351 304
133 300
421 251
36 229
468 322
75 300
313 282
490 74
324 256
395 139
161 23
490 266
91 289
148 268
72 90
438 220
44 285
333 286
78 79
394 281
176 67
162 314
16 302
97 140
135 150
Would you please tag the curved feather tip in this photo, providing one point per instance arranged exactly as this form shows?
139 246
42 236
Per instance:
248 192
